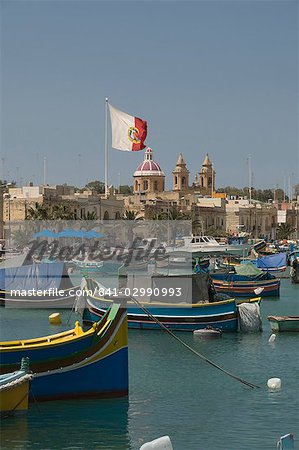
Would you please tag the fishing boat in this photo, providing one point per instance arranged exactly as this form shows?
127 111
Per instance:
76 363
245 281
174 313
274 263
14 389
36 285
284 323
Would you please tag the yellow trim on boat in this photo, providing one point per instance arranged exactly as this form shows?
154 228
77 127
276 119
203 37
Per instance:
195 305
59 338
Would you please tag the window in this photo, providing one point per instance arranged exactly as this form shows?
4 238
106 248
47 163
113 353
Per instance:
175 180
155 185
145 185
183 181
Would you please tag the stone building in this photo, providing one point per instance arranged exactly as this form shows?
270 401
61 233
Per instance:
180 175
256 218
148 177
17 201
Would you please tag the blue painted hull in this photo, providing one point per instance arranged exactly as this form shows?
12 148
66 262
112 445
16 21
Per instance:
241 286
222 315
107 377
91 364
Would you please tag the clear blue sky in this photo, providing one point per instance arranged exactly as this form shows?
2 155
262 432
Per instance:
208 76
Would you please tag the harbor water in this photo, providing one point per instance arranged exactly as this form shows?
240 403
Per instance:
172 391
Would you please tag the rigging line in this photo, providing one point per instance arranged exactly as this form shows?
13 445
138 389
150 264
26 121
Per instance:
241 380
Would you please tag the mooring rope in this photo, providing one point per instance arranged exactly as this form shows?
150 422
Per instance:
204 358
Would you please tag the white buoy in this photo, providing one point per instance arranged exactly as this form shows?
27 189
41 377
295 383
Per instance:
162 443
274 384
258 291
207 333
272 338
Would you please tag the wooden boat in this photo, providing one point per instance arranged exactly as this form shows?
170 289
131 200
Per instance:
240 287
284 323
246 281
222 315
76 363
14 390
37 285
180 316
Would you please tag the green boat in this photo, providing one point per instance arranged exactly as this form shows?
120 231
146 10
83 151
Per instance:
284 323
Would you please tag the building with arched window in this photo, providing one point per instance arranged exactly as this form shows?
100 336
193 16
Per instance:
149 177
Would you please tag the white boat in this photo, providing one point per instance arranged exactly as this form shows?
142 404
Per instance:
208 244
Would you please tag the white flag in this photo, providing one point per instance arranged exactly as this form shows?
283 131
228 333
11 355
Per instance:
128 132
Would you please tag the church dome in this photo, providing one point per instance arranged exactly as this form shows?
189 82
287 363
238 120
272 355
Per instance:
148 167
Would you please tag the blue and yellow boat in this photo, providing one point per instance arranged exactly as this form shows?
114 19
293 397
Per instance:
14 390
245 281
76 363
179 302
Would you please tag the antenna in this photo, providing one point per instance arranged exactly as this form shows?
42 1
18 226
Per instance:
249 178
290 188
45 161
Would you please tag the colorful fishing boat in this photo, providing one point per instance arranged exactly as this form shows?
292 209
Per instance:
274 263
37 285
181 313
284 323
222 315
14 389
76 363
245 281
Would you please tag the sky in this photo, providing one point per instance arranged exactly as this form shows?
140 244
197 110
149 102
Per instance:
217 77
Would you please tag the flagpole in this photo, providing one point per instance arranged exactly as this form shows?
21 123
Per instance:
106 147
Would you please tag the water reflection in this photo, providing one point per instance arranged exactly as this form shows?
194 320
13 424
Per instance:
98 424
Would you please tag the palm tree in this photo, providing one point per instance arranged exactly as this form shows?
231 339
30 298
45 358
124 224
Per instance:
173 215
90 215
131 215
22 237
62 212
37 212
284 231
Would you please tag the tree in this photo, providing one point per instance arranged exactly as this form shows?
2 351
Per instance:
37 212
21 237
131 215
97 186
125 189
62 211
90 215
284 231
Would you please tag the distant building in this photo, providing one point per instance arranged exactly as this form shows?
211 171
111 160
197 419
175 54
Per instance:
148 177
17 201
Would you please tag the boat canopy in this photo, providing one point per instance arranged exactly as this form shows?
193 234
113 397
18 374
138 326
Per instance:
248 270
34 276
275 261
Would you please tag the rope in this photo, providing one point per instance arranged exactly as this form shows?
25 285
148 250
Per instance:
204 358
16 382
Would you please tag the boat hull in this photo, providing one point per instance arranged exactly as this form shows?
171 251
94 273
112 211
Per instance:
90 364
15 399
64 301
286 323
221 315
246 288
